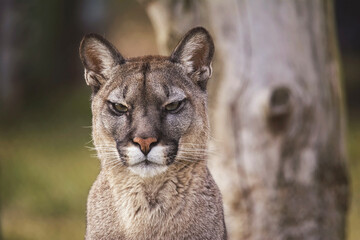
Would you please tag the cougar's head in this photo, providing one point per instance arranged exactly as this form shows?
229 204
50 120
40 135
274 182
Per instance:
149 112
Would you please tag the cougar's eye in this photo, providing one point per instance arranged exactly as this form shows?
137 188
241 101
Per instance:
119 108
172 107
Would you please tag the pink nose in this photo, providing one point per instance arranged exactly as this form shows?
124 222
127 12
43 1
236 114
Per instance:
145 143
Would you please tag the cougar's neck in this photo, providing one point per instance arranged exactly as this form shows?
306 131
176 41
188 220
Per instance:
162 189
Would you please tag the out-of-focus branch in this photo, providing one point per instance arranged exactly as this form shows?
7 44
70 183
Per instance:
171 19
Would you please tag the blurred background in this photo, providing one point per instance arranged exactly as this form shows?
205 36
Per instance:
46 169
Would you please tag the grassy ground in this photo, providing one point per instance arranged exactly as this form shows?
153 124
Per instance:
46 170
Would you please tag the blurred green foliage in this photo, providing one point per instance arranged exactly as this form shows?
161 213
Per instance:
46 169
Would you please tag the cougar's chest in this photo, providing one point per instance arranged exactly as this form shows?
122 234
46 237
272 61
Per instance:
144 209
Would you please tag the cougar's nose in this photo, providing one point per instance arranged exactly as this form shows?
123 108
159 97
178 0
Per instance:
145 144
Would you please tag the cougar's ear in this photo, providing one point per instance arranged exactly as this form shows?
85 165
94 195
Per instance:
99 57
195 52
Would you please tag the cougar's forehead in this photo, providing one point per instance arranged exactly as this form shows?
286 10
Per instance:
151 83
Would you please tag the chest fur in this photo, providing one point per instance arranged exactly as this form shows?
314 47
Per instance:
159 208
171 208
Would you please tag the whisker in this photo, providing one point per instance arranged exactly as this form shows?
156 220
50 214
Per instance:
106 148
91 140
197 154
116 165
197 158
196 150
187 154
106 151
190 161
112 161
201 144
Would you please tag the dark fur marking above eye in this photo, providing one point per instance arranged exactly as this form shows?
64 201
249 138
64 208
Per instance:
125 91
145 69
166 90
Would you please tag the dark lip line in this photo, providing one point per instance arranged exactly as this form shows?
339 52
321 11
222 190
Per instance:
146 163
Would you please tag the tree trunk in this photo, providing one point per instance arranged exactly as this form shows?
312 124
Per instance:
277 114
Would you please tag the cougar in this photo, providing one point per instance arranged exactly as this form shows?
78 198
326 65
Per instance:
150 131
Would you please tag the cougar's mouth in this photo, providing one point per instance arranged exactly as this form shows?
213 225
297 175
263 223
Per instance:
147 162
155 162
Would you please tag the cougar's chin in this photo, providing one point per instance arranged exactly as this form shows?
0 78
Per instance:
147 169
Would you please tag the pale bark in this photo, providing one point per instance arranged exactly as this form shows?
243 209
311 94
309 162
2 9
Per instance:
277 116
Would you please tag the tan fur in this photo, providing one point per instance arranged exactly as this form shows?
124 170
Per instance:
181 202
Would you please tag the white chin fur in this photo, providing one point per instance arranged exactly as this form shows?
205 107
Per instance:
148 170
156 155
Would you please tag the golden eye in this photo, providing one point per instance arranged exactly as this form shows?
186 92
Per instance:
120 108
172 106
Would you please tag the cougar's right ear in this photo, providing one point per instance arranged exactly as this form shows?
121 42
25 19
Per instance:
99 57
195 52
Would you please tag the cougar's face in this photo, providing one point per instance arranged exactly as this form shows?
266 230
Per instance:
145 110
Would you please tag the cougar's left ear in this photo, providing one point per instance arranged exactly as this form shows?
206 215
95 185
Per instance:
99 58
195 52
